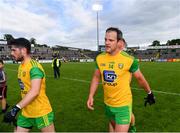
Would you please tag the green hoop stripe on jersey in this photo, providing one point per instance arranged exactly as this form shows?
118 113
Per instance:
36 73
134 66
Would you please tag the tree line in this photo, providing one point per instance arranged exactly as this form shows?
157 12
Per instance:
9 37
168 43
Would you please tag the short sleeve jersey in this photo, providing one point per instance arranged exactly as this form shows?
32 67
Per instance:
116 77
40 105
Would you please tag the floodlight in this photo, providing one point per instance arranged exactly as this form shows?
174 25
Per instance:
97 7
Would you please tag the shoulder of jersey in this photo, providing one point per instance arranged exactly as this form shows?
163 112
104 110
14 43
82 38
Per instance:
34 63
126 55
101 54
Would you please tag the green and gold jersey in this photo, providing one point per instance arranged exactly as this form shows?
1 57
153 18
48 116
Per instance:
116 77
40 105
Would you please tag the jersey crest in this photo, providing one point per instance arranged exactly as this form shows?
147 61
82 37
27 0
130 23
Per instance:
120 65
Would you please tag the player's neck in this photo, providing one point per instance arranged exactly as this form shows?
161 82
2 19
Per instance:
26 59
115 52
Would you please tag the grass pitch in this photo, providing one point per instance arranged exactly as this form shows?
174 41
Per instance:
68 97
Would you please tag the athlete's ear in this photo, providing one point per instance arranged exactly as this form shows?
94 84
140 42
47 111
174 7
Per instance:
121 44
24 51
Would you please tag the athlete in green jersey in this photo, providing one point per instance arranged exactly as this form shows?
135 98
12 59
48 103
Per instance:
115 68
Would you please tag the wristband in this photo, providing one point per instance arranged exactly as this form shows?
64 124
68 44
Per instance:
18 106
149 92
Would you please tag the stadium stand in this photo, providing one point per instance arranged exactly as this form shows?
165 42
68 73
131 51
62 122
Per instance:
153 53
44 52
4 50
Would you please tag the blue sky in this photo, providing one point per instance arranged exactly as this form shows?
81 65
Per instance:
73 22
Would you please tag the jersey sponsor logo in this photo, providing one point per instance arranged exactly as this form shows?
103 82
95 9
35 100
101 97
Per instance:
109 84
109 76
120 65
21 84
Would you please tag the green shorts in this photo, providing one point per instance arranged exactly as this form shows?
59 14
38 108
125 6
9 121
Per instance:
39 122
120 115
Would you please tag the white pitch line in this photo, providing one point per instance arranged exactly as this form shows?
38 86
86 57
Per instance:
76 80
162 92
85 81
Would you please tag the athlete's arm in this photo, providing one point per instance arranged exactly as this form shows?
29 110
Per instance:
29 97
93 88
142 81
32 94
36 75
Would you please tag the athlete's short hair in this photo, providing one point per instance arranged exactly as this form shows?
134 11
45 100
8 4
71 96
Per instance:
119 34
21 43
118 31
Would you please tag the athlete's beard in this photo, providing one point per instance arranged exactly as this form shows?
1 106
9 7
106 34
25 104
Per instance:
21 58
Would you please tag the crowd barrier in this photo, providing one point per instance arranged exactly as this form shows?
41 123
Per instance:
159 60
46 61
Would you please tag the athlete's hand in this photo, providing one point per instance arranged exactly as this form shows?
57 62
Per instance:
90 103
149 99
10 116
